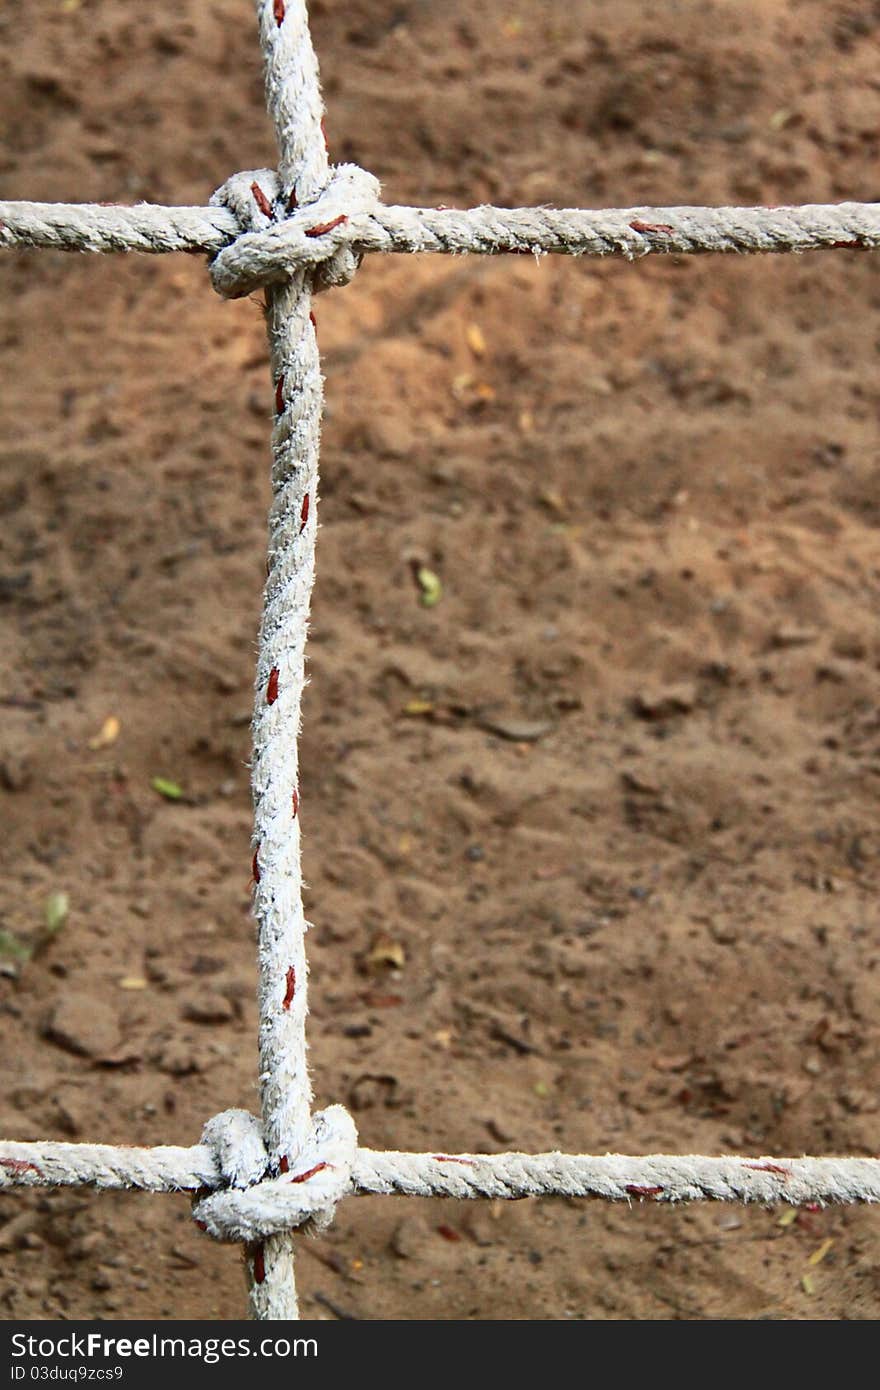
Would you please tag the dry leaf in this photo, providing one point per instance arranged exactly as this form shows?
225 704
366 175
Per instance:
385 953
788 1217
132 982
552 500
417 707
109 733
818 1255
475 340
808 1284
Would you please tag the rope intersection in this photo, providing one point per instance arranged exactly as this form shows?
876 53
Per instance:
294 232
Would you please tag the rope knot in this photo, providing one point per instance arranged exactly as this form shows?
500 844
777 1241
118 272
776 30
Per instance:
278 238
258 1203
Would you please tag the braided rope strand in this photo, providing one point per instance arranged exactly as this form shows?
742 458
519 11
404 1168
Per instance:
294 102
246 259
359 1171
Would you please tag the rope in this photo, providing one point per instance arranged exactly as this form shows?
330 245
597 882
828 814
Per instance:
294 102
295 232
248 256
232 1163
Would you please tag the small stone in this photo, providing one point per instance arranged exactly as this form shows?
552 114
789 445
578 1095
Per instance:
86 1027
859 1102
177 1059
792 636
850 646
209 1008
729 1222
724 933
411 1239
102 1280
812 1066
14 1231
517 730
88 1245
499 1131
15 771
662 703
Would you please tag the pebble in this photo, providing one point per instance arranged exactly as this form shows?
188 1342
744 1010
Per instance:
791 636
661 703
412 1240
177 1059
88 1027
209 1008
15 772
14 1231
517 730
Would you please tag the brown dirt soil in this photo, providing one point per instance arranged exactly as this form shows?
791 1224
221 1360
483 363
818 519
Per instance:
646 918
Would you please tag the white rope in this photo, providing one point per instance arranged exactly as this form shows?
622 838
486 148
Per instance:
307 1194
294 102
232 1162
297 231
248 258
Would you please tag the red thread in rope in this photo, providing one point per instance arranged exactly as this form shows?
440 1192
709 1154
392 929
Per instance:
278 12
259 1265
261 200
447 1158
20 1165
279 395
635 1191
769 1168
304 514
295 802
255 868
272 687
323 227
284 1164
318 1168
659 227
290 989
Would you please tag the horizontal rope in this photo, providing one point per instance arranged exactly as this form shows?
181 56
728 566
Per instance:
662 1177
280 248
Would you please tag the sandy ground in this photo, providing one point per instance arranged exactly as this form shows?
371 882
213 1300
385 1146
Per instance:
612 801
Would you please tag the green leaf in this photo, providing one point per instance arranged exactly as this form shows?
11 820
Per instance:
172 791
57 908
429 583
12 948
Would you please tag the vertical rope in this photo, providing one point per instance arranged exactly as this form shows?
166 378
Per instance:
294 101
